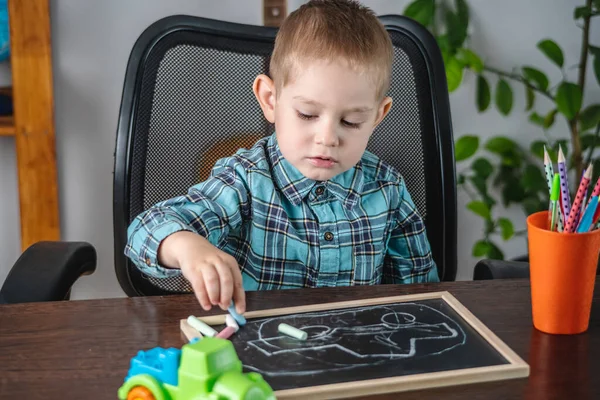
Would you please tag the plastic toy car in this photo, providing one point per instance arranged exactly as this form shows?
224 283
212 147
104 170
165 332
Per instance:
208 369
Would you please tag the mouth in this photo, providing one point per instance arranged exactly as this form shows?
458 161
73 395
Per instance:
322 161
324 158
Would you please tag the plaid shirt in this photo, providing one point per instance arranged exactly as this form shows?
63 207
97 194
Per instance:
287 231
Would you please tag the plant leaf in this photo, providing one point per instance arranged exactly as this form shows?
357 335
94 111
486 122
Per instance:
480 184
537 149
504 97
552 51
465 147
536 119
483 93
533 204
549 118
483 168
588 141
590 117
421 11
530 95
568 99
462 12
456 30
454 73
536 78
470 59
506 226
581 12
481 248
494 252
533 179
480 208
513 192
501 145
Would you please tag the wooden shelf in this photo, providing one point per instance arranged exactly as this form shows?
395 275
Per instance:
7 126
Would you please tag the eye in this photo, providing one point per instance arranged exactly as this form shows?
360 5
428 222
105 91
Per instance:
351 125
306 117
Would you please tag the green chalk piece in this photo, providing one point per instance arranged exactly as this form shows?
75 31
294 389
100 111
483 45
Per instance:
293 332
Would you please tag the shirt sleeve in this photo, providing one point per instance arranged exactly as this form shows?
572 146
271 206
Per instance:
408 258
211 208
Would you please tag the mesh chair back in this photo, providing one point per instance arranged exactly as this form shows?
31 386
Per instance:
187 101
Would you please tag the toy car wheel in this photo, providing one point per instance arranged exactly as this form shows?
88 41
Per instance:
140 393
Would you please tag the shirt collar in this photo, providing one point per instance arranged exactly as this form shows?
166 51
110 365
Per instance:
346 187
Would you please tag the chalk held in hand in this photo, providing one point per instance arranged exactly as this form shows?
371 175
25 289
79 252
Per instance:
201 327
230 322
238 317
293 332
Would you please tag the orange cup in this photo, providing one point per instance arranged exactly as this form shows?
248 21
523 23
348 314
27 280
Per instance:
563 273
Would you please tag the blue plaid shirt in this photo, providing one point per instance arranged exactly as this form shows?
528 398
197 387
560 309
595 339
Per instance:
287 231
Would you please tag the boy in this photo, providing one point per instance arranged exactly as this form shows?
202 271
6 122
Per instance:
307 206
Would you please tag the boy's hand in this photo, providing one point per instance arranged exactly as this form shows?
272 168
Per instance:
214 275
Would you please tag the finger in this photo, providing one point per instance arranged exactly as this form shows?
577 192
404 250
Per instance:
211 282
226 281
200 291
239 296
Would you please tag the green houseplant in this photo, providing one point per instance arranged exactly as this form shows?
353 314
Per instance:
501 170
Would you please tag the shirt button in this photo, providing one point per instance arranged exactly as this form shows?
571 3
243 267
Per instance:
320 190
328 236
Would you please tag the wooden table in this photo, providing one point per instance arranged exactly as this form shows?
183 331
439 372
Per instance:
82 349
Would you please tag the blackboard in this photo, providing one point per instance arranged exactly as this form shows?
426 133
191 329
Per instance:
373 346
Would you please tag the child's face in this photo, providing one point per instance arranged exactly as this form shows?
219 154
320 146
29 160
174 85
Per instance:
324 117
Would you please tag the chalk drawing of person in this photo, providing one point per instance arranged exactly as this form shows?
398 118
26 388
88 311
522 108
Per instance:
345 339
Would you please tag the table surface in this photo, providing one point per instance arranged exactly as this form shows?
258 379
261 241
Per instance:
82 349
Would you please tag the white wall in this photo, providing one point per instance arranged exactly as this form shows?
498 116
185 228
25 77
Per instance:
91 44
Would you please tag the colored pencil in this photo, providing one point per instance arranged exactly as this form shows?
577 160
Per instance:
596 192
586 219
571 224
564 184
554 200
549 179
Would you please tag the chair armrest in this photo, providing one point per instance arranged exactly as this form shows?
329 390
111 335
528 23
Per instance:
46 271
497 269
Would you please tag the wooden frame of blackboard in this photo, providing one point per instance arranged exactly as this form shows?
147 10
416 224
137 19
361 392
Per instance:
516 367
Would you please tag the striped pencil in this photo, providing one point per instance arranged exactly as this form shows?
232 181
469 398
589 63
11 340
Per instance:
571 224
549 177
564 184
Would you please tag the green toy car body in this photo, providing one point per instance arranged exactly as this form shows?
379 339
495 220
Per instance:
208 369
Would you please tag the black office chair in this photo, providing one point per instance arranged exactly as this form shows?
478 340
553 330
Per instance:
46 271
187 101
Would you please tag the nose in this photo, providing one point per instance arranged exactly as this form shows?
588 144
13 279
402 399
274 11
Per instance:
327 136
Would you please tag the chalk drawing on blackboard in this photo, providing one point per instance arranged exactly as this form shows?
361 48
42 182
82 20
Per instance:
371 346
380 334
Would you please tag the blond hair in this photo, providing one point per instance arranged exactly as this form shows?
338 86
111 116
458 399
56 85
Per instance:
328 30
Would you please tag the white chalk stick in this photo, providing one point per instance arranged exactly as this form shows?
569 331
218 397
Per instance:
201 327
230 321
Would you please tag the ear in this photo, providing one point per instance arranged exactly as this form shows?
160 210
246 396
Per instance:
383 110
264 90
